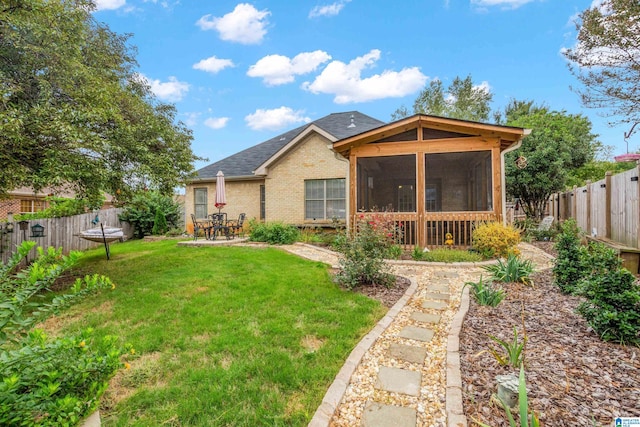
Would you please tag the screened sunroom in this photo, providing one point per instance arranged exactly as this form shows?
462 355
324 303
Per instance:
433 175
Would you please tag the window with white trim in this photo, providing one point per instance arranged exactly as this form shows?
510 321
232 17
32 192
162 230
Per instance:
325 199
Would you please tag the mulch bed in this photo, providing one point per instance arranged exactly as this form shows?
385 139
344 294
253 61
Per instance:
387 296
573 378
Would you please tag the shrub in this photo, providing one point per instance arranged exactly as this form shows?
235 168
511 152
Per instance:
310 235
512 270
394 252
569 266
48 382
445 255
61 207
159 223
612 307
362 255
493 239
141 212
485 293
274 233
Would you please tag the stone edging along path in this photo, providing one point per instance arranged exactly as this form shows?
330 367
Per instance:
332 398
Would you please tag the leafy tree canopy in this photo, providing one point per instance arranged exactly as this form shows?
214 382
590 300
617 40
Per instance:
559 143
461 100
595 171
74 113
606 59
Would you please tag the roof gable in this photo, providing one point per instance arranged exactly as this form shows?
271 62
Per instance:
246 163
424 127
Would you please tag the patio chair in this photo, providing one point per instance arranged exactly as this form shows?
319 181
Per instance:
236 226
203 225
219 225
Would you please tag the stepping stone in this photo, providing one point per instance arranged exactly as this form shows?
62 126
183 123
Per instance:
425 317
437 295
380 415
410 353
416 333
448 275
398 380
444 288
436 305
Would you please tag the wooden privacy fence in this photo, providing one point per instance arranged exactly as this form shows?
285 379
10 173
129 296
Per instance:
63 232
609 208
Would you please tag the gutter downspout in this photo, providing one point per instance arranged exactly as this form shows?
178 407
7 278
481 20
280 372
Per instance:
513 147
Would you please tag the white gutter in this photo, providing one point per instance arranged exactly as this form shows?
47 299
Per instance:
513 147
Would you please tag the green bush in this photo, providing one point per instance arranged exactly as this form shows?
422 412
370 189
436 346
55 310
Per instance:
159 223
612 306
48 382
512 270
394 252
569 266
445 255
274 233
485 293
494 239
141 212
362 255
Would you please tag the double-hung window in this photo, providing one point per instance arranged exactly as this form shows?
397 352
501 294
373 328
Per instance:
200 205
325 199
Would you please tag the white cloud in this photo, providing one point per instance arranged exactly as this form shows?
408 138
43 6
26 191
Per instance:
109 4
504 4
275 119
245 24
172 90
345 81
191 118
213 64
485 86
328 10
216 122
279 69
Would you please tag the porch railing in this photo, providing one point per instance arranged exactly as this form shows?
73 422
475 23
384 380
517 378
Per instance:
434 229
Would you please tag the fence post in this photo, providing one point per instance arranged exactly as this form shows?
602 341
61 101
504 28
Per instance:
607 209
574 203
588 213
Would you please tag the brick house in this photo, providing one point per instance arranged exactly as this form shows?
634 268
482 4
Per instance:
434 175
294 177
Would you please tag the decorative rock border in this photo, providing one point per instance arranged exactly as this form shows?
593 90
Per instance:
332 398
453 403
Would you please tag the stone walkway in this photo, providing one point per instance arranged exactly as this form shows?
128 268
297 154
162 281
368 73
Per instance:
408 374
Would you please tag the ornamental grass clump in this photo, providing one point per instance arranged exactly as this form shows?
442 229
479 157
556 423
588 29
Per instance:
495 240
48 381
363 250
513 269
486 293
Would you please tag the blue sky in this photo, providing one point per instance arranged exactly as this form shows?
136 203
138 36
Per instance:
241 73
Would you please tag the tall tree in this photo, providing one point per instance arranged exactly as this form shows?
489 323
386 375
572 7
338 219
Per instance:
461 100
73 111
606 60
558 143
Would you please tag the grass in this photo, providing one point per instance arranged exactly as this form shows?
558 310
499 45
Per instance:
223 335
446 255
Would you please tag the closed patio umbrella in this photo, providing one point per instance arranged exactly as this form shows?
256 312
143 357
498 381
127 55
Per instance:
221 198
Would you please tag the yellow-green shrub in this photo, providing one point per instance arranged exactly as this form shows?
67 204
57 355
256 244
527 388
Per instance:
493 239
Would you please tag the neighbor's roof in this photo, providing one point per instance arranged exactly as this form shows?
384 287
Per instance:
244 163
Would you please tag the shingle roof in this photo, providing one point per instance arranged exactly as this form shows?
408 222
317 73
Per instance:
246 161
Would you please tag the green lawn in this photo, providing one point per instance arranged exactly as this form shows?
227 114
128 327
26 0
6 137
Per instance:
223 335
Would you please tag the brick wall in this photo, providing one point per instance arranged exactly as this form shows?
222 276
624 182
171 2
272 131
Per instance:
242 197
310 159
9 205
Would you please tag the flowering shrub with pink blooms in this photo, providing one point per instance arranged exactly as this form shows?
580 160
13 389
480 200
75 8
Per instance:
363 250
